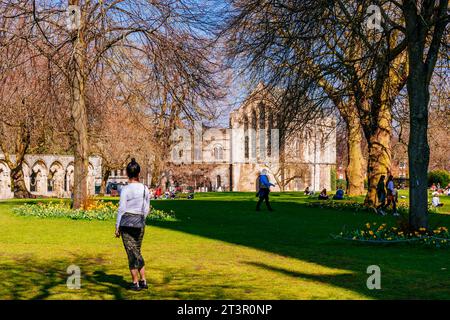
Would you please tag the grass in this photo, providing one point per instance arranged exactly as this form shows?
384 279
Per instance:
219 248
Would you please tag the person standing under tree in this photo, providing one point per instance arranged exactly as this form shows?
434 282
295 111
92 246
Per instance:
134 207
263 187
381 195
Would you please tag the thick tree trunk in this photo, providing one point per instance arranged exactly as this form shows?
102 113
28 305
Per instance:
379 161
80 122
18 182
355 167
105 177
418 150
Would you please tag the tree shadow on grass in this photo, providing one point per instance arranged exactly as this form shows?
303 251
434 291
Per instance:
26 277
297 231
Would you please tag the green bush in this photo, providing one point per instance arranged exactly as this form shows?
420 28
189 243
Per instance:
439 176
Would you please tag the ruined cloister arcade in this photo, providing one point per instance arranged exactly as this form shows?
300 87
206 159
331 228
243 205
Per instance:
48 175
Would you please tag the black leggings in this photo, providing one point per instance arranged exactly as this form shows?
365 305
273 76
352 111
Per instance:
132 241
263 196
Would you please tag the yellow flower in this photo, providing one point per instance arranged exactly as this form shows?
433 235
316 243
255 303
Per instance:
368 225
371 232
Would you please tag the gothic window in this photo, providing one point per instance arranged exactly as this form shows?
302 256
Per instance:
262 116
218 152
33 182
219 181
269 135
246 139
298 148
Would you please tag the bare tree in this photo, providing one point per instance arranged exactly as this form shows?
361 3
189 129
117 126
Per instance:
167 36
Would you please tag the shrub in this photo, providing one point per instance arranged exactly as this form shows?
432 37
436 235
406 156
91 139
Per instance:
439 176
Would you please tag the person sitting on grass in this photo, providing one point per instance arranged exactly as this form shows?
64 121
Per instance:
307 192
339 194
323 195
435 201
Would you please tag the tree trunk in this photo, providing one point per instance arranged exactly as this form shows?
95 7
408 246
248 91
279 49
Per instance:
355 168
18 183
379 161
418 150
105 177
80 122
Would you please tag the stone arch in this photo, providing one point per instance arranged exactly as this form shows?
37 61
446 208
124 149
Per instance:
69 178
5 180
56 179
38 179
218 181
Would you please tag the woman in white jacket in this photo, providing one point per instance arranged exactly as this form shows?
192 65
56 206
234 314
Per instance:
134 207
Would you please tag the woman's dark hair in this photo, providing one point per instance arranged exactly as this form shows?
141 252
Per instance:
133 169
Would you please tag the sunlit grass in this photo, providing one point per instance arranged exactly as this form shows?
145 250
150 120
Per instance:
219 248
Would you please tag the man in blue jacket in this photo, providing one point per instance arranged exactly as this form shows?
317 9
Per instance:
263 185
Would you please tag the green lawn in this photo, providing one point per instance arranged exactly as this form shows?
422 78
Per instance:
219 248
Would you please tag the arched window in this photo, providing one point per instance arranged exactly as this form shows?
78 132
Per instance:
298 148
218 152
246 139
33 182
218 181
262 115
269 134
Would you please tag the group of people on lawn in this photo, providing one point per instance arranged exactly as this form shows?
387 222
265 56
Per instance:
134 206
387 195
438 191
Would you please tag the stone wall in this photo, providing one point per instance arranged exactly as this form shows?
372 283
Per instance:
48 175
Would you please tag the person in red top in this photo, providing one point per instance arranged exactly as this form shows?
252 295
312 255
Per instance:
158 192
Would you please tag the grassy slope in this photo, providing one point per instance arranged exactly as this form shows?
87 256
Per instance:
219 249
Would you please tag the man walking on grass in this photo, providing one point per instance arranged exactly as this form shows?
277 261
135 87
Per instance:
263 186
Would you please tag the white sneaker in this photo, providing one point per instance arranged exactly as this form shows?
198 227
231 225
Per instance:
396 214
382 213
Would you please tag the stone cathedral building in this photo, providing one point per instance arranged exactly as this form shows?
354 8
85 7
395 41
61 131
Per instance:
230 159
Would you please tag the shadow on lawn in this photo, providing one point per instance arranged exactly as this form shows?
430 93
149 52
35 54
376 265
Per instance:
28 278
301 232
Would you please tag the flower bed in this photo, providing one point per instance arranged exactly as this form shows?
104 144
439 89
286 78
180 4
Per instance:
96 210
382 234
402 208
